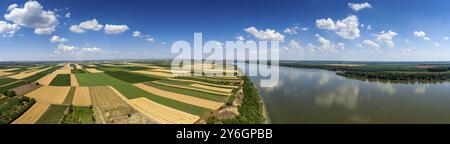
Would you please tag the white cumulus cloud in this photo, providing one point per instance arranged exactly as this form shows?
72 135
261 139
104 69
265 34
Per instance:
115 29
76 29
56 38
32 15
359 6
68 15
8 30
151 40
294 44
347 28
136 34
386 38
326 45
371 43
12 6
268 34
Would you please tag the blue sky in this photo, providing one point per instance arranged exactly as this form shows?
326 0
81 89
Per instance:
401 30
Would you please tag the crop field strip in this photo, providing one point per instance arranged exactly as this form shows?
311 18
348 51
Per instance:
130 77
33 114
41 74
132 92
50 94
105 98
4 81
190 88
46 80
26 74
155 73
61 80
53 115
193 93
213 105
161 113
73 80
82 97
70 96
223 88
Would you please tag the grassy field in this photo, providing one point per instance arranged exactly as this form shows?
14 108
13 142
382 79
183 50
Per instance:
53 115
131 92
70 96
193 93
12 107
61 80
5 80
130 77
79 115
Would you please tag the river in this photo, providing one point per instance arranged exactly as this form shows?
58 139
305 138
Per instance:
320 96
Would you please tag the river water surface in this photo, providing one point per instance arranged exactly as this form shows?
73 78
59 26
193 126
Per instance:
321 96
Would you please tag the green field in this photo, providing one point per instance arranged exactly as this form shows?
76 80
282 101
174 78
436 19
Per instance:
79 115
77 71
12 107
131 92
53 115
5 80
70 96
61 80
130 77
194 93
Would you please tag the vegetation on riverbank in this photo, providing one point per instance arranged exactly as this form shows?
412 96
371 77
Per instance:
384 72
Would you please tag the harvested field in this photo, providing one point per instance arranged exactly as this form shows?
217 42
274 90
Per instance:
41 74
82 97
61 80
105 98
182 98
78 66
53 115
33 114
50 94
12 85
93 70
63 71
192 88
47 79
24 89
5 73
73 80
154 73
27 73
161 113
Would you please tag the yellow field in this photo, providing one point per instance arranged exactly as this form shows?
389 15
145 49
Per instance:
78 66
82 97
212 88
62 71
50 94
28 73
193 88
73 80
93 70
33 114
182 98
5 73
154 73
161 113
46 80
